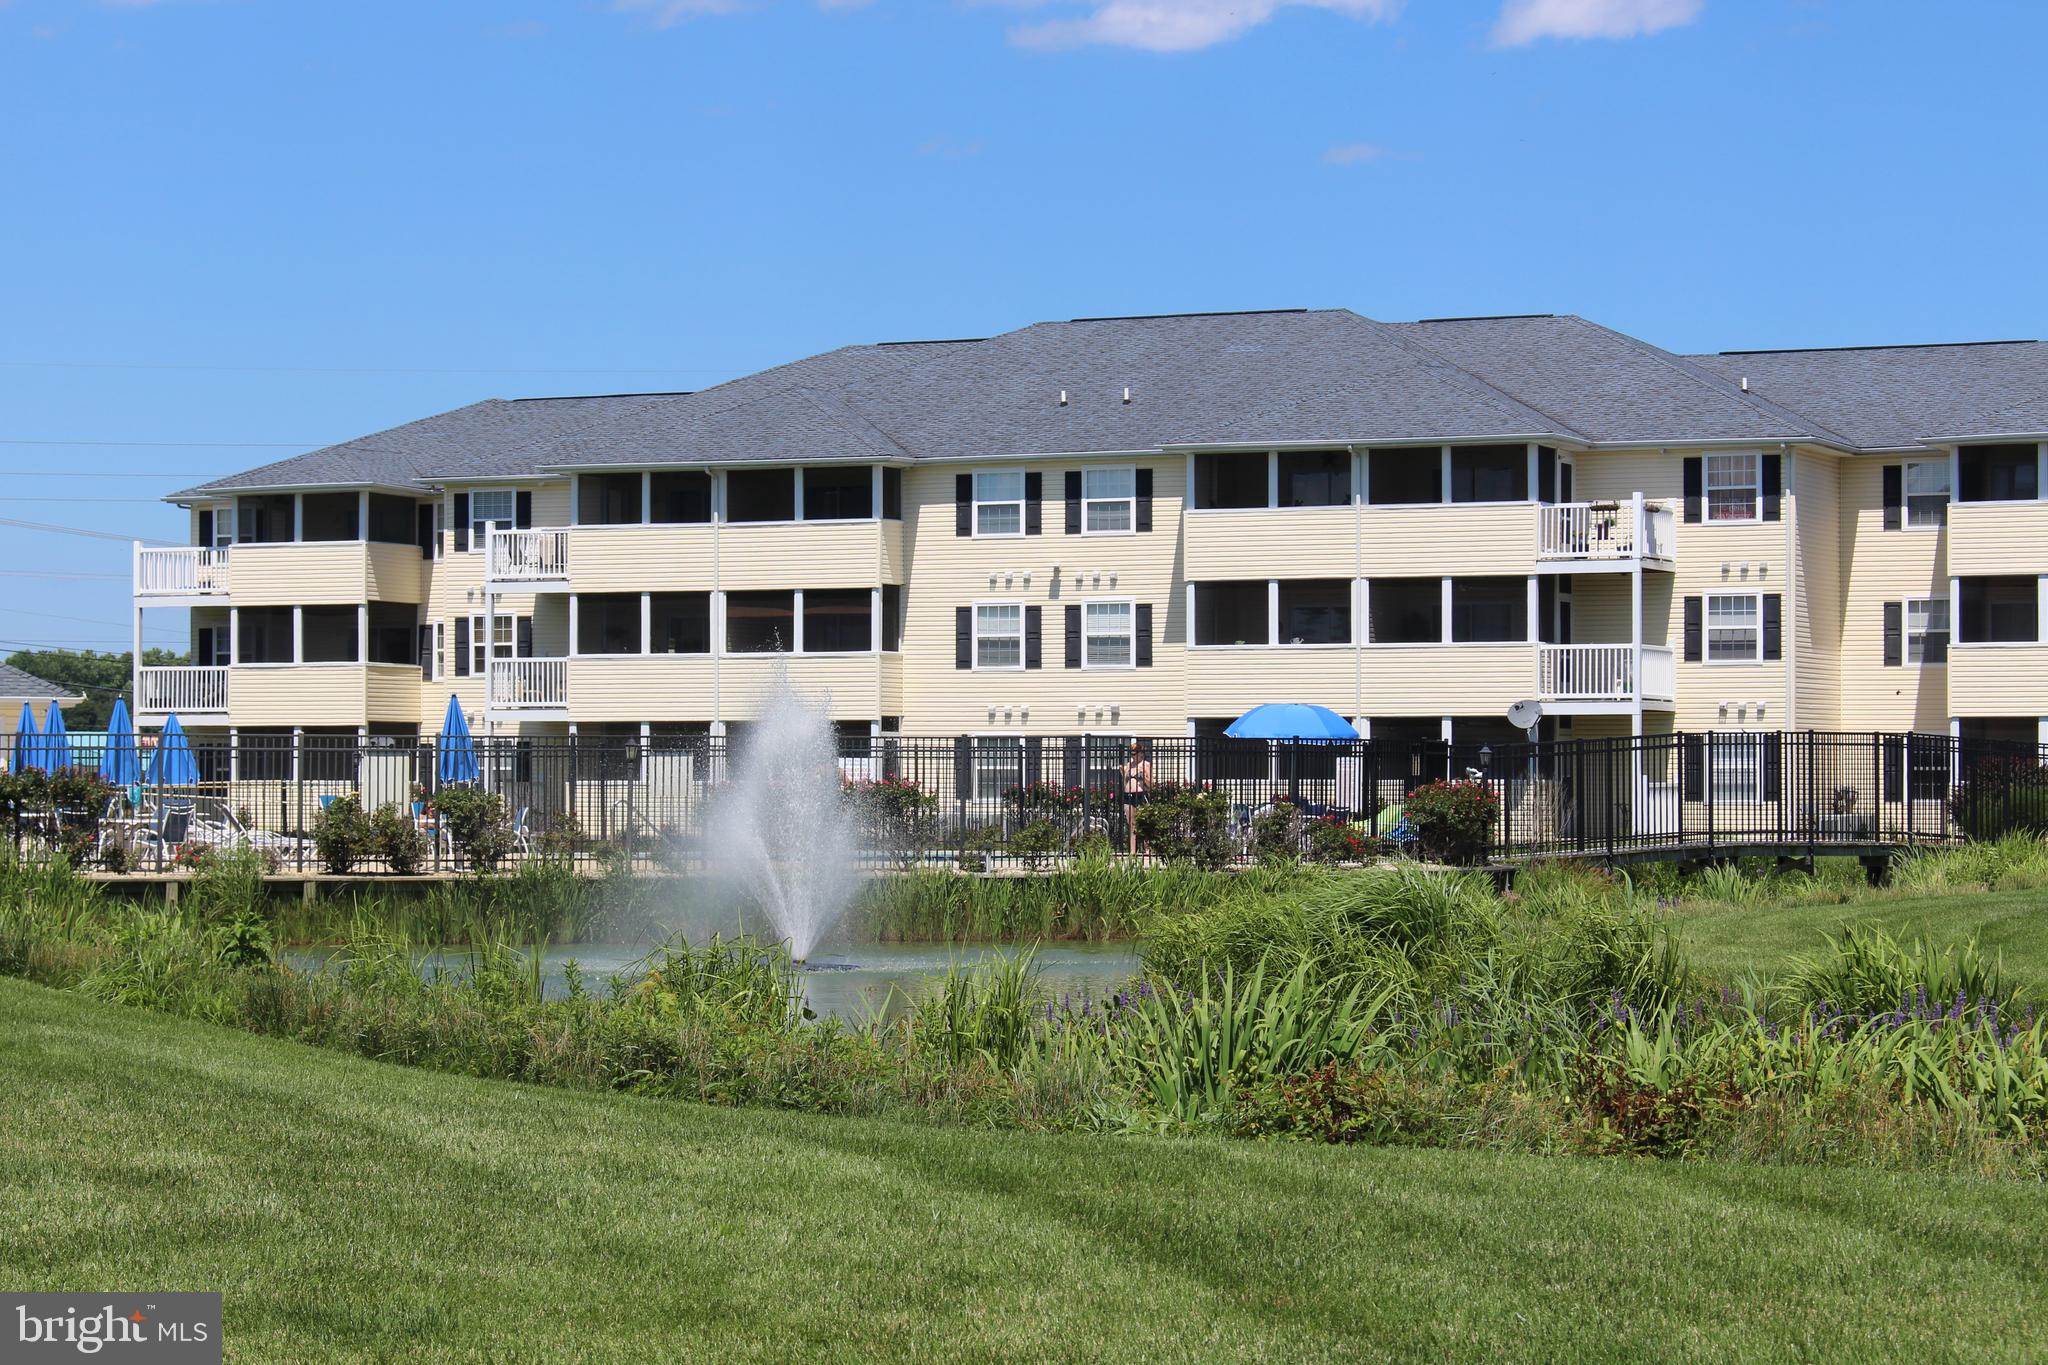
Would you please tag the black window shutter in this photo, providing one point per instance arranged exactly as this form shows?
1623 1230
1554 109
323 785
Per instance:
1774 484
1070 763
524 645
1073 637
1694 608
1034 494
1774 765
1546 474
1073 502
963 637
462 646
963 767
1144 515
204 656
1142 646
1695 478
206 528
1034 758
1894 780
424 532
1894 496
522 509
425 652
963 504
1034 622
462 521
1894 634
1692 767
1774 626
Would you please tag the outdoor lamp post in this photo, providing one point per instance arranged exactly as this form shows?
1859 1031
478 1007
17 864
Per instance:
1486 758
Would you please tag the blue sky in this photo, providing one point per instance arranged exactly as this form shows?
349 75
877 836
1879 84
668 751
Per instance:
231 223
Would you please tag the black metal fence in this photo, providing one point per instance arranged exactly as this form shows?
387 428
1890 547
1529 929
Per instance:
598 800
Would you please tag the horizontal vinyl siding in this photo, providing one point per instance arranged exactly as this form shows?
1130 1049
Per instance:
1813 618
1473 540
283 696
1444 680
635 687
1997 538
1230 681
1998 680
299 574
816 554
1880 566
396 573
641 558
895 552
1281 542
847 686
392 694
1602 612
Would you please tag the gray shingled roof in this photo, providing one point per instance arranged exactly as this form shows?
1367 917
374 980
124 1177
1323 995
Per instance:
1885 397
16 685
1609 386
1292 376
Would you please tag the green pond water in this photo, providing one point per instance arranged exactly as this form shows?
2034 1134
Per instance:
847 982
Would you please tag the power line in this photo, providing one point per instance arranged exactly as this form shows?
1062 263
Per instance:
55 529
82 620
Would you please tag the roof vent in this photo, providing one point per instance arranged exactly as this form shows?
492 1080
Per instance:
1063 397
1127 395
1745 383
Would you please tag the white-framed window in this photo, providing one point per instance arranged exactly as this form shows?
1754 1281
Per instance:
1927 494
500 643
1734 487
1737 769
1735 632
1109 499
999 502
998 635
490 508
1927 630
1107 632
1104 752
998 765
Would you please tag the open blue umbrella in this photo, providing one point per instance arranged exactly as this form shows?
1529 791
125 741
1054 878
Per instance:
172 765
25 742
1290 720
120 764
458 750
56 747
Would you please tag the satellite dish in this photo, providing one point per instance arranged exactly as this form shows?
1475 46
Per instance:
1523 715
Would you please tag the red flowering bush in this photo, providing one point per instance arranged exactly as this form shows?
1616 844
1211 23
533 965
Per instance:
1042 798
1333 839
1453 821
894 815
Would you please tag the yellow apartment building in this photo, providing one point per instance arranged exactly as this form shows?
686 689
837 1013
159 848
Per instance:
1145 526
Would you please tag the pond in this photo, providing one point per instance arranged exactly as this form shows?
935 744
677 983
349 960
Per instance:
845 982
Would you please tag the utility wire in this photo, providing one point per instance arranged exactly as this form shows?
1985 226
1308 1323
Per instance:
82 620
78 531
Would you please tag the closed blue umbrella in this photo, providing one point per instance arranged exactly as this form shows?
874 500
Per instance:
25 742
1291 720
458 750
56 746
172 765
120 764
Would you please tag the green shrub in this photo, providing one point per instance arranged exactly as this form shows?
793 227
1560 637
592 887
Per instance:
478 824
1453 821
397 840
1187 825
1867 971
342 835
1332 839
894 816
1277 832
1038 842
2002 796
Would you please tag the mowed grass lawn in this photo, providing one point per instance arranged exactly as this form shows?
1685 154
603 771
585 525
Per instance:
353 1211
1724 943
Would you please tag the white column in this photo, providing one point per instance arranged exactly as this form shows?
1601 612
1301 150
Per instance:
298 516
646 624
1363 631
875 617
1446 609
1272 611
1635 633
234 634
298 635
797 507
1444 474
2040 608
298 749
646 505
2040 472
573 636
1533 627
1535 486
363 514
796 622
1272 478
234 754
1446 734
1361 477
362 633
1955 611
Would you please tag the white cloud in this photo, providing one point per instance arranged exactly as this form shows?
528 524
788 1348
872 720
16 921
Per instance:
1177 25
1524 21
1353 153
668 13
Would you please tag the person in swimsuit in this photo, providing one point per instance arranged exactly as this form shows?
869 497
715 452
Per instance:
1135 778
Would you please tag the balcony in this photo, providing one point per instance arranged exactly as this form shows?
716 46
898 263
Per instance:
1578 536
189 691
528 557
181 572
1601 679
528 686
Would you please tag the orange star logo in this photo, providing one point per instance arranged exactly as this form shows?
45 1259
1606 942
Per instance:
136 1316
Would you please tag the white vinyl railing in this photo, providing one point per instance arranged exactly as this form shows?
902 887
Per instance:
529 684
528 556
184 689
1660 672
181 571
1604 530
1585 672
